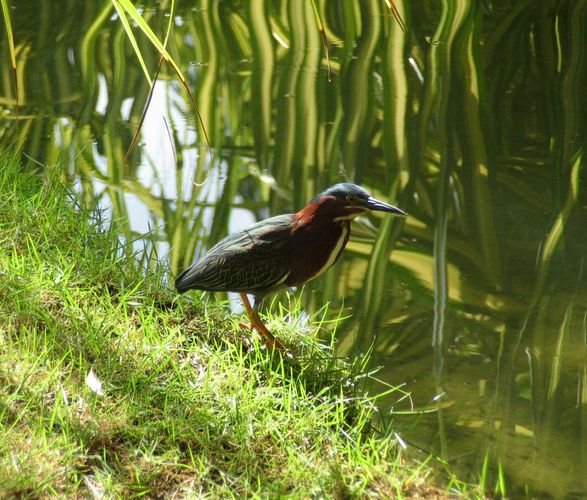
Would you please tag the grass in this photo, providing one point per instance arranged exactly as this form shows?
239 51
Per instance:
187 408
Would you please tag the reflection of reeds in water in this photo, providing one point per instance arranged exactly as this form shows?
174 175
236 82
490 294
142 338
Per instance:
481 144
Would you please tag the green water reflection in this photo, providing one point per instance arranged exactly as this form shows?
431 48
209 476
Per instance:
473 121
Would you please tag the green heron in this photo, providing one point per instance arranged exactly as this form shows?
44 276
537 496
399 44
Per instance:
282 251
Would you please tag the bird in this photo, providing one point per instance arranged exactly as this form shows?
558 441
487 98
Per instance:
283 251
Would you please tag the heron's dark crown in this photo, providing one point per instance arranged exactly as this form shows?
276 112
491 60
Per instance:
344 201
342 191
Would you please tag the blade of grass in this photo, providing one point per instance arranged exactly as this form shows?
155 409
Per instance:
124 20
10 36
396 15
135 137
322 36
124 7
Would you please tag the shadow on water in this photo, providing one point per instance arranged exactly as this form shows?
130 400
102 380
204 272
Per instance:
473 121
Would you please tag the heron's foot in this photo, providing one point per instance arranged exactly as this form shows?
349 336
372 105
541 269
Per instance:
267 337
245 326
245 339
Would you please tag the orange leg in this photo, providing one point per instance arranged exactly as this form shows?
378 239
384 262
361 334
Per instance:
268 338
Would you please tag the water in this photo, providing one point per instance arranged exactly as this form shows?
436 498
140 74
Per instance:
473 121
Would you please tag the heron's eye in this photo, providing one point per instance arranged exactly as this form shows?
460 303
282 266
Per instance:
351 198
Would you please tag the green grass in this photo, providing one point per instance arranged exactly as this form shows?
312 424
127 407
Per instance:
188 408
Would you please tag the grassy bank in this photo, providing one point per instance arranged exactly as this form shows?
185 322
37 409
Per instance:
185 406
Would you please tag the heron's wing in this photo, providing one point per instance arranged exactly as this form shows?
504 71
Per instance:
255 259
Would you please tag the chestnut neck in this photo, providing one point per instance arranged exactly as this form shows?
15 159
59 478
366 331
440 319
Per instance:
327 211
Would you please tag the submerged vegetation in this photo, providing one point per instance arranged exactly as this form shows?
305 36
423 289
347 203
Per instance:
110 385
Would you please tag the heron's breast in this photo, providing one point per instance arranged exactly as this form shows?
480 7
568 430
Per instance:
316 252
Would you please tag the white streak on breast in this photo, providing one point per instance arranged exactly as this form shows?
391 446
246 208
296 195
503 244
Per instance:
336 252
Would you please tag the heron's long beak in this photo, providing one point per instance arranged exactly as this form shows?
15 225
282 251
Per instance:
375 204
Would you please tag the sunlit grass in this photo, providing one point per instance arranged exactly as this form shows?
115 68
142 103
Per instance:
187 406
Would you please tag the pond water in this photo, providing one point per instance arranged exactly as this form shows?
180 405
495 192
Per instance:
473 121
